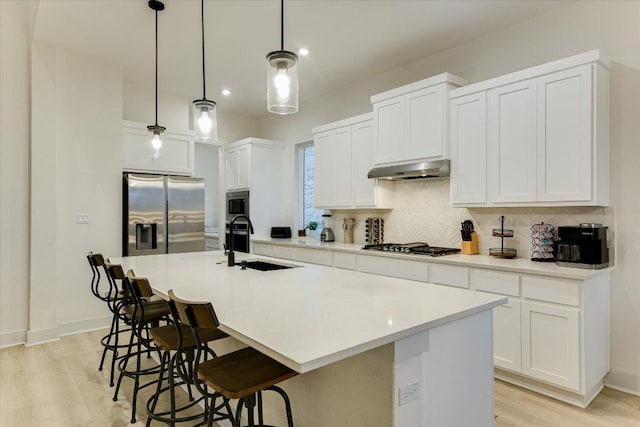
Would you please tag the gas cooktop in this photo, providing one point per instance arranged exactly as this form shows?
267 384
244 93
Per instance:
417 248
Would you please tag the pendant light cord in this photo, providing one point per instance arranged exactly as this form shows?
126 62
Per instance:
204 83
281 24
156 68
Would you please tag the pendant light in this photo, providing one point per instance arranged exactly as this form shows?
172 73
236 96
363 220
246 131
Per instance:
282 76
205 121
155 129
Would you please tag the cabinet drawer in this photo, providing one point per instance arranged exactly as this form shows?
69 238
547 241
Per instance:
343 260
552 290
314 256
499 283
283 252
403 269
262 249
450 275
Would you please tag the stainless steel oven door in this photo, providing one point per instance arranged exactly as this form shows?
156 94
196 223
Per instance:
241 237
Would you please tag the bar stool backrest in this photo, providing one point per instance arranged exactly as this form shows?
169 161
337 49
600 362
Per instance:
194 314
140 286
95 261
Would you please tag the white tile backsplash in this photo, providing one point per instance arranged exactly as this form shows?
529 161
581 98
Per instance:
423 212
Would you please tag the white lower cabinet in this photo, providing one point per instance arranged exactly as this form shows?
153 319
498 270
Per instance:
551 344
313 256
401 268
449 275
263 249
344 260
506 336
552 335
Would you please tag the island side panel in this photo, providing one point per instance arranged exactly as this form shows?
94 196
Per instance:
453 366
354 392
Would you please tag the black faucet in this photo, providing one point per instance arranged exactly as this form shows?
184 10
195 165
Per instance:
231 259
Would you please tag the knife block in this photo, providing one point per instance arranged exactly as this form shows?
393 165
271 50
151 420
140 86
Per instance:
471 247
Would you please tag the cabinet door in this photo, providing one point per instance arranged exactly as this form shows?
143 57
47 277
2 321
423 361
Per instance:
424 115
507 345
322 169
389 129
362 153
176 156
564 135
469 149
244 166
551 344
137 152
231 168
511 131
342 189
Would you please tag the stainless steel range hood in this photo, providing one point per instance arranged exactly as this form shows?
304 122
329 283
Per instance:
420 170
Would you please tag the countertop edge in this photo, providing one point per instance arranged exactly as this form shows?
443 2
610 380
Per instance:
487 263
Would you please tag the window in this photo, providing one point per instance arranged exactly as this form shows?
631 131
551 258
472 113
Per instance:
305 182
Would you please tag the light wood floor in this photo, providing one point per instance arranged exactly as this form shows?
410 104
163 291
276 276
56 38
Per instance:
58 384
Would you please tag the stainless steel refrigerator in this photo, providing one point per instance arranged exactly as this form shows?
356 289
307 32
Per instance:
162 214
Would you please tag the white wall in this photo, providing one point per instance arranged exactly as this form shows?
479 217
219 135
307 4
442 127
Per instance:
14 170
578 27
625 177
76 168
175 111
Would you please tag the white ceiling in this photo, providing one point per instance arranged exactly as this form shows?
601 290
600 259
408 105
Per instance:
348 40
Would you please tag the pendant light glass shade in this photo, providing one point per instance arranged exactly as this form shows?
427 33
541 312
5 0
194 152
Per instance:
282 76
205 120
282 82
205 112
156 139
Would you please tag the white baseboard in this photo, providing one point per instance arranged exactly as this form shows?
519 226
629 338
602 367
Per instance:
41 336
11 339
53 334
84 325
623 382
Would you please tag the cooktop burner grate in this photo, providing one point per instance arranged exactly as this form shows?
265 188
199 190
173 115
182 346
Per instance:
417 248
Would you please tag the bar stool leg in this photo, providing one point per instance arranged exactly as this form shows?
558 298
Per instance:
163 362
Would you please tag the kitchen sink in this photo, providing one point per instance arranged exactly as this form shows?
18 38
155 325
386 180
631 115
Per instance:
263 265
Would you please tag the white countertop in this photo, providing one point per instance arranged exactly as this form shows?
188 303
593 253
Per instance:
311 316
515 265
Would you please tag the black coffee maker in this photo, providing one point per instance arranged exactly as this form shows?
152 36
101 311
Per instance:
584 246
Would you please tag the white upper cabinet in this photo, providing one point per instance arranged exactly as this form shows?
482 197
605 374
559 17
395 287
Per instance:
238 167
343 157
250 161
176 154
511 135
410 122
564 135
469 148
547 137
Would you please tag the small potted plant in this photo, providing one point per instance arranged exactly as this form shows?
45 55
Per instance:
312 227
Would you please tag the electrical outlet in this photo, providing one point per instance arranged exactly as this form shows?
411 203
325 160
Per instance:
408 393
82 218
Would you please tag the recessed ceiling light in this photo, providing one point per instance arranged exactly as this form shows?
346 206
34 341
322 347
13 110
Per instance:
226 92
303 51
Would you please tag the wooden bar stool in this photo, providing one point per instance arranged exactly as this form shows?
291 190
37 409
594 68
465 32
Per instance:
143 314
242 374
178 345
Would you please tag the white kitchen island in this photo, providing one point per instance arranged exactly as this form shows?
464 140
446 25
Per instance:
363 343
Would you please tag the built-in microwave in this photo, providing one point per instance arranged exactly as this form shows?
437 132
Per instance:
237 204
